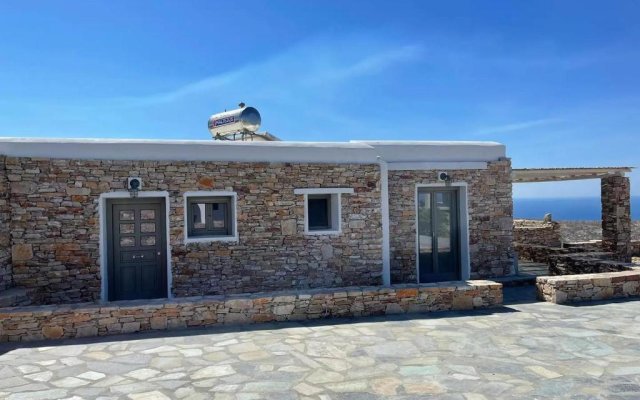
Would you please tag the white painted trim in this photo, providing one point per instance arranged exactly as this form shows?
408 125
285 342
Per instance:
426 151
277 151
102 216
424 166
336 214
384 211
189 150
323 191
463 212
212 193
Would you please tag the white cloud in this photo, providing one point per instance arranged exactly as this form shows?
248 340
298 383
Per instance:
518 126
369 65
313 64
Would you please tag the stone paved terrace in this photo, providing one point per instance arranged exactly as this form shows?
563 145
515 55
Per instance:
528 350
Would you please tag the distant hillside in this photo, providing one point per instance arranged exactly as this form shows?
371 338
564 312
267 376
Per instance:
577 231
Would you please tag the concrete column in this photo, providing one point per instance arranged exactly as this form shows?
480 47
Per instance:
384 199
616 216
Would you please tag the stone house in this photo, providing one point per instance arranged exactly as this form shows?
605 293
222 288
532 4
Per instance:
103 220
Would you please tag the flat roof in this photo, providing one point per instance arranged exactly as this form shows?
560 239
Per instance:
522 175
282 151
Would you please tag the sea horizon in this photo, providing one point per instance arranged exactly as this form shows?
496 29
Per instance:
566 208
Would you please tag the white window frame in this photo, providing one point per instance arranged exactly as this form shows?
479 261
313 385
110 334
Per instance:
336 208
234 216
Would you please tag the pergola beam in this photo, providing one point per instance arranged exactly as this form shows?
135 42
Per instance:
565 174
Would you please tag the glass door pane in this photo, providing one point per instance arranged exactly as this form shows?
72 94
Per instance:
446 237
425 236
438 239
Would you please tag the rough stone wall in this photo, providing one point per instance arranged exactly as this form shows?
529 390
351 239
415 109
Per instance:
616 216
6 271
54 322
490 207
589 287
535 232
55 226
537 253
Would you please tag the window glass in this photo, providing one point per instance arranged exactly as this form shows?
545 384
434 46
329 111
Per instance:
219 215
198 214
127 215
148 227
148 241
209 216
127 228
147 214
319 212
127 241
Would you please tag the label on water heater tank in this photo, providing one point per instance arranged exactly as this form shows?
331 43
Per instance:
224 121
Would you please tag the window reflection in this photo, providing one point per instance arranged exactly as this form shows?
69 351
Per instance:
199 215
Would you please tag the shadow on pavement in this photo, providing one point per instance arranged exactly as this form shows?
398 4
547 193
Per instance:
600 302
519 295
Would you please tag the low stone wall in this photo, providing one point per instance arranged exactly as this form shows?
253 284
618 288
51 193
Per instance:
588 287
537 253
536 232
585 263
90 319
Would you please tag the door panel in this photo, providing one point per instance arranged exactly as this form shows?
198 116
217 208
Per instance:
425 236
137 249
438 235
447 249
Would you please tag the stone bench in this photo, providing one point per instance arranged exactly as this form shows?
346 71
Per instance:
90 319
589 287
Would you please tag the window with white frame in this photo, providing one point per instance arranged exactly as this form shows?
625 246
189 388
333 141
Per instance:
322 210
210 216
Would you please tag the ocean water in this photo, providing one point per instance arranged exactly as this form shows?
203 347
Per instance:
576 209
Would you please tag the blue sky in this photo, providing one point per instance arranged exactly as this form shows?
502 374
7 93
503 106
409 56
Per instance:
557 82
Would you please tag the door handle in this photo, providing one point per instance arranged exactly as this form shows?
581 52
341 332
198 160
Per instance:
140 256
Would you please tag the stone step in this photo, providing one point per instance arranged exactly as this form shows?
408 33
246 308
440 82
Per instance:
14 297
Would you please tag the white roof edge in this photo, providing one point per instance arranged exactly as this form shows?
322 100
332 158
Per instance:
209 142
437 151
427 142
283 151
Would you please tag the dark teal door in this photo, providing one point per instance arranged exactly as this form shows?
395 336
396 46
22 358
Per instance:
438 235
136 240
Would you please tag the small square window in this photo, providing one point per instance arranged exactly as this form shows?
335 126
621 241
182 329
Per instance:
319 212
322 210
210 217
323 213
